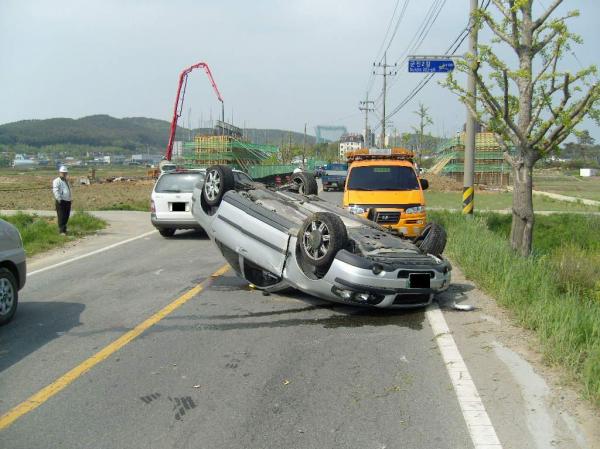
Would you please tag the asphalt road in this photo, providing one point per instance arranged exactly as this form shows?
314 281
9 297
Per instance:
232 368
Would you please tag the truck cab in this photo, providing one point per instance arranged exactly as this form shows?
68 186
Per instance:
383 185
334 176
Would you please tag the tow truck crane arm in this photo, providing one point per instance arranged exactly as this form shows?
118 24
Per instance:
179 101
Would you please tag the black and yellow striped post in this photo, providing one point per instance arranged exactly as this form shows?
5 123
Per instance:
468 200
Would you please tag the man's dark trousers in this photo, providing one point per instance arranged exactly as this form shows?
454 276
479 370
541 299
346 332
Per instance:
63 211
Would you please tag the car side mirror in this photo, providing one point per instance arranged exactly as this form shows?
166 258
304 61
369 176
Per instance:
424 184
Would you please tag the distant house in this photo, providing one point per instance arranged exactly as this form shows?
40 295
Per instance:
22 161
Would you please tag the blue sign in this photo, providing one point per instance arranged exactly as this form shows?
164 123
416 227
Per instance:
430 65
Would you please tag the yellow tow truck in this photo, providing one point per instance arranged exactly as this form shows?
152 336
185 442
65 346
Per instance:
383 185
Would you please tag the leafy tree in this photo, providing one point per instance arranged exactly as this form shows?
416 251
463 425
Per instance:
585 141
424 121
534 105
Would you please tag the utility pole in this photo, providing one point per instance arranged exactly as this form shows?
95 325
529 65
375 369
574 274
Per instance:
385 74
304 147
469 169
364 106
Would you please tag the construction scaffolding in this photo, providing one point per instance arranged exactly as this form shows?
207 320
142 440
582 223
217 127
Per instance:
229 150
490 165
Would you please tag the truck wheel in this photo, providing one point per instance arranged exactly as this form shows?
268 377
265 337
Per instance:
320 238
306 182
432 240
219 179
9 296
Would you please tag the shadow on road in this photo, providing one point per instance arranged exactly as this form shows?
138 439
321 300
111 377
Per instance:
340 316
35 325
190 234
456 293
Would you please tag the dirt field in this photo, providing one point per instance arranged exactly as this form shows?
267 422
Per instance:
33 190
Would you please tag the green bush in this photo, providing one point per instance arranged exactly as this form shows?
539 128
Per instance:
41 233
563 307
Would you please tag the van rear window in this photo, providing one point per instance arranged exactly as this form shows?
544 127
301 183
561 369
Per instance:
383 178
178 182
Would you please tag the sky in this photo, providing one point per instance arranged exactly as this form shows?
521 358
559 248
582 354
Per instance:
278 64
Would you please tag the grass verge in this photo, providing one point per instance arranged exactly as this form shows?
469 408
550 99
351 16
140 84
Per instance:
555 292
41 233
502 200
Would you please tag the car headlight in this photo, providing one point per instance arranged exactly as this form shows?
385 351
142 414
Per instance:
357 210
414 210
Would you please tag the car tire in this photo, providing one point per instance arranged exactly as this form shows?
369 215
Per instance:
306 182
219 179
9 295
167 232
432 240
320 238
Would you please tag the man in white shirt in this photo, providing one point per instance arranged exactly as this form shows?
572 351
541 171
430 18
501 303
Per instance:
62 196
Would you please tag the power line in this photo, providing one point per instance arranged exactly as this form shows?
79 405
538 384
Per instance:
425 80
400 17
420 34
372 78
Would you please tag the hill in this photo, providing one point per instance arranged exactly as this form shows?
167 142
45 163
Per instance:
130 134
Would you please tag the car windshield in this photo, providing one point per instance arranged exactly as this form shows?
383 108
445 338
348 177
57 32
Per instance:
393 177
178 182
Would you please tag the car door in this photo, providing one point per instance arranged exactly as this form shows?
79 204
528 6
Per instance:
252 231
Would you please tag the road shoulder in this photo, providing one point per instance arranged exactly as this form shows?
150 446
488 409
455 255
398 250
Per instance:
495 349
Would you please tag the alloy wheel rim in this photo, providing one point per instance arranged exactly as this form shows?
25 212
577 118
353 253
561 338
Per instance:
212 185
7 296
316 240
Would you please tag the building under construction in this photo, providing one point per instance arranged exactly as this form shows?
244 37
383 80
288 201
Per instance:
490 165
225 146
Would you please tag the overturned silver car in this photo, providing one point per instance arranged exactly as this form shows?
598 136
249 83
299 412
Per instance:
284 237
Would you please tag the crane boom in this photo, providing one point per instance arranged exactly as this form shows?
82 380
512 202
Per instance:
179 99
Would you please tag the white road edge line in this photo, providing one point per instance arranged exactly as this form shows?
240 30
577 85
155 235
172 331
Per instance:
478 422
92 253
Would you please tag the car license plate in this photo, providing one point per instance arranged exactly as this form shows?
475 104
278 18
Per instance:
178 207
334 184
419 280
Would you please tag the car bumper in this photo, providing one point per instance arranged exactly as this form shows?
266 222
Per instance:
352 280
179 223
409 225
22 271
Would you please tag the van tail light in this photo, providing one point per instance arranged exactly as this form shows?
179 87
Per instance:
152 206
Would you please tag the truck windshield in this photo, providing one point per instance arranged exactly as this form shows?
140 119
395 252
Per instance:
383 178
178 182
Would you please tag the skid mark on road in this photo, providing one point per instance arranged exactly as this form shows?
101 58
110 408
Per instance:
478 422
65 380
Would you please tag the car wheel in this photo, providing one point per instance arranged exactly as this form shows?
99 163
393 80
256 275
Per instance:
167 232
306 182
9 296
432 240
219 179
320 237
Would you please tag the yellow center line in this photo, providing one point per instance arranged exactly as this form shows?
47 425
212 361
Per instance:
62 382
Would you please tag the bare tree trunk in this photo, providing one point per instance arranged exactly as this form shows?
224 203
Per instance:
521 233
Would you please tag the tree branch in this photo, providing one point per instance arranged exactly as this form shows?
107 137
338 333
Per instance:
497 30
540 21
545 41
498 4
553 60
506 115
578 113
514 21
497 108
